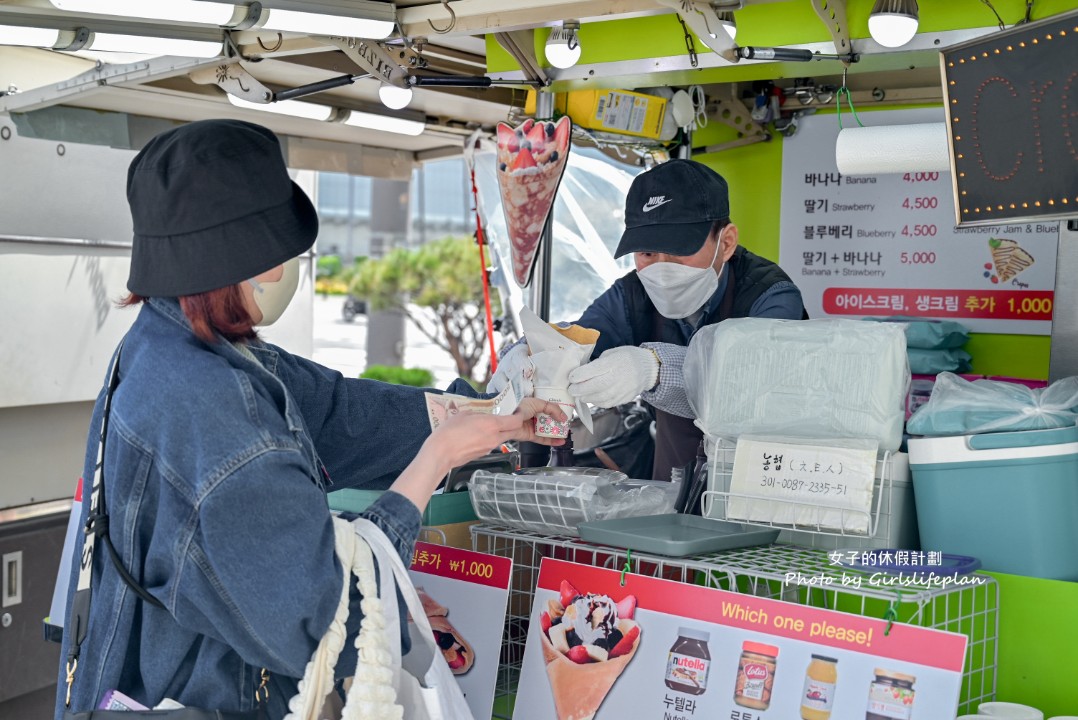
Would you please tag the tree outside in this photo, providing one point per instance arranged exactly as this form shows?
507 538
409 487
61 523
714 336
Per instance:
439 287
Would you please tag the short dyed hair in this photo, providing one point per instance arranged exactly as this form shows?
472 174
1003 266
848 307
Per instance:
219 311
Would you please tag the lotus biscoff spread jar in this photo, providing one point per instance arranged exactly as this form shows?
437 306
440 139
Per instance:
890 696
755 675
818 693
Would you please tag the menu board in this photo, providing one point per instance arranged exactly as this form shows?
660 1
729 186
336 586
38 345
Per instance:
465 595
655 649
886 245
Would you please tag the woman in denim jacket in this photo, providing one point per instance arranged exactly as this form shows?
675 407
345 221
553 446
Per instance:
220 447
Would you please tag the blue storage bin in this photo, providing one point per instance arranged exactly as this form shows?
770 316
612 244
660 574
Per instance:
1009 499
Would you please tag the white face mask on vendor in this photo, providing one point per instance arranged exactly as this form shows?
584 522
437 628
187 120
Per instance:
273 296
677 290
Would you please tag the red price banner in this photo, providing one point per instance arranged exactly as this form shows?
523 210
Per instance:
953 304
458 564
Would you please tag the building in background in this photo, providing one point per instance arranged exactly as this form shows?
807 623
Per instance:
437 203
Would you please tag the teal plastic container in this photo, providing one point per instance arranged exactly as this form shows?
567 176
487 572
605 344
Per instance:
1009 499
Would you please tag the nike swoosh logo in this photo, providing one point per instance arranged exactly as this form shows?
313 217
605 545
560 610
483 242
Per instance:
648 206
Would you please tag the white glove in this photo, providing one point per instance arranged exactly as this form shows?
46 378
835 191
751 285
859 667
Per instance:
514 368
616 377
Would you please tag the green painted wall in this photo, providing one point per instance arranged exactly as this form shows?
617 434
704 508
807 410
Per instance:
1038 644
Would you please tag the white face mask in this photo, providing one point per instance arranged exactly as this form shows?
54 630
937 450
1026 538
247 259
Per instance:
273 296
679 290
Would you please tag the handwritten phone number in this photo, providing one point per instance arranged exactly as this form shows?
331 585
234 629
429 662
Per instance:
795 485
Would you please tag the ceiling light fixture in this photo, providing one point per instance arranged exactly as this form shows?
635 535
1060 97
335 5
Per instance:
893 23
726 19
145 45
393 97
186 11
563 45
385 123
367 19
294 108
318 24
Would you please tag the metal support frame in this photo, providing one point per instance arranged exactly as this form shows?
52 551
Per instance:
234 79
700 16
833 14
372 58
733 113
521 45
540 284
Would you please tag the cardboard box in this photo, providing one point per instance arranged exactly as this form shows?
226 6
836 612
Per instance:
613 111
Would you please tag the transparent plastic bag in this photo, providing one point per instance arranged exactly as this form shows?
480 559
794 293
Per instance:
554 500
961 407
799 378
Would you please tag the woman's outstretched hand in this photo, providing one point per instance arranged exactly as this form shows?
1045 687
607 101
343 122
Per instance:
466 436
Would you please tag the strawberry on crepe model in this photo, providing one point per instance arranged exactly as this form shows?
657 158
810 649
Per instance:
531 159
455 649
588 640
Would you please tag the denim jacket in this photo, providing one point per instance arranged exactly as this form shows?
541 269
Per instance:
216 493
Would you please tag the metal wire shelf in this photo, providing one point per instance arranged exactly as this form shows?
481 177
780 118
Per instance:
969 609
889 522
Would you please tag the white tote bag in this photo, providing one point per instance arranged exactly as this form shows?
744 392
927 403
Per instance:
423 687
426 688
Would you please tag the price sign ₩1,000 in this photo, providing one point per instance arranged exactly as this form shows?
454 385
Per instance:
885 245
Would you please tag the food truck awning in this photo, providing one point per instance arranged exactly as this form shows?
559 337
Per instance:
453 41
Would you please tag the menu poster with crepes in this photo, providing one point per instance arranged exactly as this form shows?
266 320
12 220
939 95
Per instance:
465 595
653 649
885 245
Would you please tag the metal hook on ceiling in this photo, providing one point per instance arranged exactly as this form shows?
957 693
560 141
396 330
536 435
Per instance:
452 20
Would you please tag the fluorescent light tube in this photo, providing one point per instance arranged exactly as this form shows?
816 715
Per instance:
385 123
295 108
110 42
29 36
187 11
317 24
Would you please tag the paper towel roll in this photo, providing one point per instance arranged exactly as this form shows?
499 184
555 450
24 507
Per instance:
887 149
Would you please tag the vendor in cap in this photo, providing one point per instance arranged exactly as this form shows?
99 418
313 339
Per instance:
690 272
220 448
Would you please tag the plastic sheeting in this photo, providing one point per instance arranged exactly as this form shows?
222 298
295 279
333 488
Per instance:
799 378
961 407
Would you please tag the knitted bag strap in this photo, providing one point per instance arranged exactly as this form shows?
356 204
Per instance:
373 682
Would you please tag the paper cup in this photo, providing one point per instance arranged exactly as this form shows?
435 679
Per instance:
1011 711
547 426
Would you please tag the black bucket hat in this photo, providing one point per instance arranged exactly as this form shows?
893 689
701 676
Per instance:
671 208
213 205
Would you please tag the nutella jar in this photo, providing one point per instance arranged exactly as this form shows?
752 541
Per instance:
688 663
755 675
890 696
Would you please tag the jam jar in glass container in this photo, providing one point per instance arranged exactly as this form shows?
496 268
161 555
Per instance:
890 696
818 693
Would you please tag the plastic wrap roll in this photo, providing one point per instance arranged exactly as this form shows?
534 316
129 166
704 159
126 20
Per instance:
887 149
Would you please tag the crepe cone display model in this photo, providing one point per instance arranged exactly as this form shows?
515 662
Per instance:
1009 258
588 640
531 159
455 649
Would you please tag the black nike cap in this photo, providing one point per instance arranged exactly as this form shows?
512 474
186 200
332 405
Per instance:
671 208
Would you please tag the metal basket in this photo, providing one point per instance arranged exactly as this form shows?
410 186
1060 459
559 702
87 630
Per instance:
555 500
